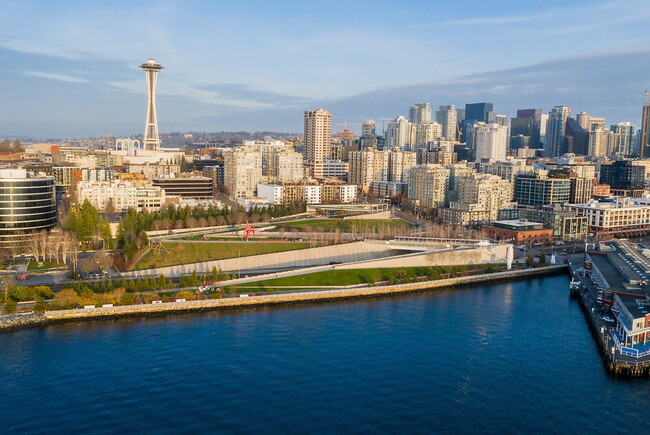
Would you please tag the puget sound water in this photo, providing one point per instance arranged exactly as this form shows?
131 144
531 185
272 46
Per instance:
512 357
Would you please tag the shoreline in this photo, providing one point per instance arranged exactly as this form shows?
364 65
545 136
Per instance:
19 322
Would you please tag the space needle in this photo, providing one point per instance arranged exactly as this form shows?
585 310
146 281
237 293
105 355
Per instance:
151 138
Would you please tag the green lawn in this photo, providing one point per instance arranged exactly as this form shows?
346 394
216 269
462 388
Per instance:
345 225
183 253
364 276
47 264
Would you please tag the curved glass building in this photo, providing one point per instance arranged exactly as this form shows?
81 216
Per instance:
27 204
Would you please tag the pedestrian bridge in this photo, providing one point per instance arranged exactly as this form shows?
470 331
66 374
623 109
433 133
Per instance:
405 243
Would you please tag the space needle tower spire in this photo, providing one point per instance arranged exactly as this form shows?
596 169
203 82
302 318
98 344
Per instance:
151 138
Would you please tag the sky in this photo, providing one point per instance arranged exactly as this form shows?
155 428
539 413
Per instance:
70 68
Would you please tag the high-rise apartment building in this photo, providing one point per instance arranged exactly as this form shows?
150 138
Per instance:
420 113
368 128
426 133
369 166
400 134
317 140
597 143
626 132
446 116
491 141
368 134
596 123
582 119
428 185
556 143
242 172
480 197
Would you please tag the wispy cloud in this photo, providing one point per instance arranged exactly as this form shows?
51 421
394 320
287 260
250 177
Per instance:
504 19
59 77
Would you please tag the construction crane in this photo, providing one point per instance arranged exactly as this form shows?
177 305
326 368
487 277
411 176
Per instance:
345 124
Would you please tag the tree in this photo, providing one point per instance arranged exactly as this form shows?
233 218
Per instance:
39 306
103 260
10 306
530 260
542 258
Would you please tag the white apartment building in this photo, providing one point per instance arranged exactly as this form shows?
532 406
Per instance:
121 194
400 134
347 193
334 169
621 218
308 192
242 172
312 193
491 141
274 193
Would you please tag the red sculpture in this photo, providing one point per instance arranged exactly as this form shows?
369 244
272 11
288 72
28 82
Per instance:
248 231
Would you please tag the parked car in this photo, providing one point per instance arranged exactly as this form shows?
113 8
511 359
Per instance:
608 319
20 276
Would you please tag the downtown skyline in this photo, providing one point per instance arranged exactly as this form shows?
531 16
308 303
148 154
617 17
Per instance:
70 70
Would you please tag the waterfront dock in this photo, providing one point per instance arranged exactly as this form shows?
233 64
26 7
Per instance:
616 360
12 323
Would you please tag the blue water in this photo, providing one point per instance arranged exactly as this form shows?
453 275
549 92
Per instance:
513 357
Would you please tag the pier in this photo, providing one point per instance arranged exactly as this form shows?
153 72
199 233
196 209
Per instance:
617 358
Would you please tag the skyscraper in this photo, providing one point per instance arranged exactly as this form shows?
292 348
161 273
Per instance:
420 113
446 116
481 112
644 144
583 120
627 132
476 112
317 140
576 137
536 126
151 140
556 143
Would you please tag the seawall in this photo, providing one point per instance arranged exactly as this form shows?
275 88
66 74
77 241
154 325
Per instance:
13 323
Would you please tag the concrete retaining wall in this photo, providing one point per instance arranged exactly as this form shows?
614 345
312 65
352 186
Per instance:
349 252
483 255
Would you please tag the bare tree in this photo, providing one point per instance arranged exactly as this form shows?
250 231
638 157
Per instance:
103 259
87 264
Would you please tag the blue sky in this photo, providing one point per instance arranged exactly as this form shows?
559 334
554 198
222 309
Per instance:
69 69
